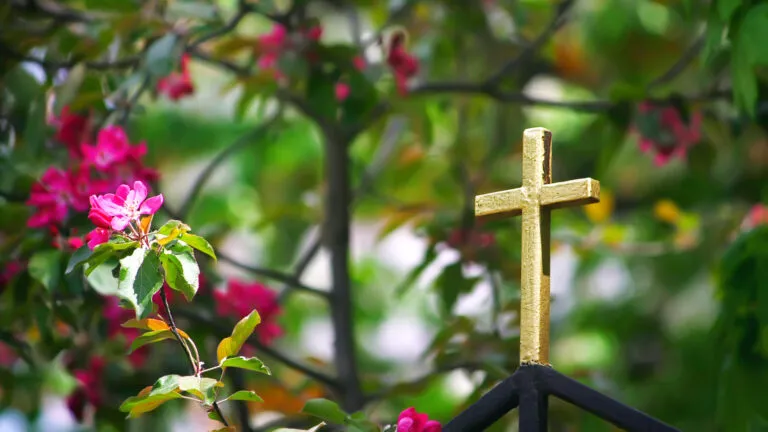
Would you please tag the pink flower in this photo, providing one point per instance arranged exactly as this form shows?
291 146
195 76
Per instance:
274 40
359 63
663 132
342 91
127 205
404 65
272 46
89 388
177 84
111 147
411 421
55 193
757 215
314 33
72 130
240 298
11 269
98 215
97 237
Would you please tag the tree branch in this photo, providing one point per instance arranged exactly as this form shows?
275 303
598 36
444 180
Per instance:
336 238
239 143
425 379
273 274
679 66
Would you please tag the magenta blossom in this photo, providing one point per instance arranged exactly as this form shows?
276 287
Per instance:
111 147
127 205
178 84
412 421
55 193
97 237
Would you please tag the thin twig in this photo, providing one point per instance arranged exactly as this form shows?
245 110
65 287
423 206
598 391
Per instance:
131 103
680 65
555 24
175 331
242 12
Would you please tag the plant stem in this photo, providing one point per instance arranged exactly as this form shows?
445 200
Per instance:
190 357
336 237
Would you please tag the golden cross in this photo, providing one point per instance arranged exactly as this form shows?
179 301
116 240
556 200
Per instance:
535 200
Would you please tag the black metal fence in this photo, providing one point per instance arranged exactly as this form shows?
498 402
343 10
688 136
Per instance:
529 389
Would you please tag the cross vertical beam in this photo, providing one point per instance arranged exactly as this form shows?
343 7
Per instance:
535 200
534 305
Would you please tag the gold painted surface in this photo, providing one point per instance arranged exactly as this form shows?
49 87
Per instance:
535 200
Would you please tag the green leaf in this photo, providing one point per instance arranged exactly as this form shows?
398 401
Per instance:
251 363
139 280
78 258
244 395
146 401
181 271
752 35
150 337
105 251
69 88
165 384
162 56
726 8
744 81
199 243
171 225
325 410
230 346
203 388
102 279
45 267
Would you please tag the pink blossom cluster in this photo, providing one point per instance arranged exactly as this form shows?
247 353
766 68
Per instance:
240 298
89 388
177 85
663 131
411 421
404 65
278 41
757 216
93 169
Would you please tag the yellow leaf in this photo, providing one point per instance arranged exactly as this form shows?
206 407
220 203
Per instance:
145 223
601 211
146 324
175 233
667 211
226 346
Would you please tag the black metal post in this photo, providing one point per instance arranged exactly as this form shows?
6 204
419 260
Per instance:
533 400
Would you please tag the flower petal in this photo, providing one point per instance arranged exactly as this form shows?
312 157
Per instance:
151 205
141 191
120 222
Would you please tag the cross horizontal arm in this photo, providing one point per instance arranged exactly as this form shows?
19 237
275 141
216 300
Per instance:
557 195
570 193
